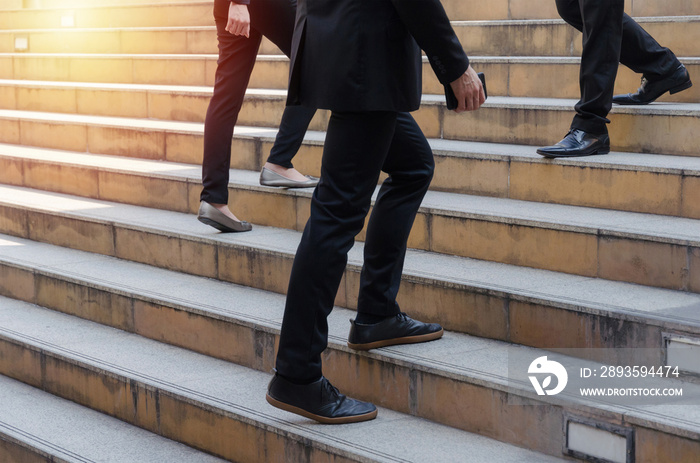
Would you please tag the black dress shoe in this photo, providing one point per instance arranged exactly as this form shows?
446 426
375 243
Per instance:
577 143
319 401
400 329
678 81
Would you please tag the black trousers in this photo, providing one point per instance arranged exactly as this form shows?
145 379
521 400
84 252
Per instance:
610 37
273 19
358 146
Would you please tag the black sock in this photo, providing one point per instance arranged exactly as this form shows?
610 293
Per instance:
370 319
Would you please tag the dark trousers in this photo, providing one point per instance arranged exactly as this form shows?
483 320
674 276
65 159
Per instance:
273 19
610 37
358 146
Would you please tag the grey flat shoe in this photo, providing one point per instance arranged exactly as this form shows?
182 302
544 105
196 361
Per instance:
270 178
210 215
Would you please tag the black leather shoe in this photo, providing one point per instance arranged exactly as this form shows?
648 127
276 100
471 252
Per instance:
319 401
678 81
577 143
400 329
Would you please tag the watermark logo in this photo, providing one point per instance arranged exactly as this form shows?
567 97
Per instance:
540 367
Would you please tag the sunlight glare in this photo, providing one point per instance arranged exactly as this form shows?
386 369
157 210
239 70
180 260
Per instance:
68 20
5 243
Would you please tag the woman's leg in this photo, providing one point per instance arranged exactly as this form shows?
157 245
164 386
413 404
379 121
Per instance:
275 20
236 60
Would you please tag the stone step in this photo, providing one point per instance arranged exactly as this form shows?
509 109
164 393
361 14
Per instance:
658 251
460 381
10 4
479 38
188 69
37 426
526 9
506 302
534 77
197 13
553 37
109 3
666 128
532 121
663 185
220 406
147 40
537 77
130 40
194 13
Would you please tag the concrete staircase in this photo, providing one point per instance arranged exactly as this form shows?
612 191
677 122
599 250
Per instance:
114 298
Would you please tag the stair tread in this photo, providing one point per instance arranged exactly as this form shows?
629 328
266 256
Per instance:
658 228
117 29
91 5
179 40
106 86
506 22
209 381
455 23
556 104
668 308
499 10
567 104
275 57
75 433
661 163
196 127
479 361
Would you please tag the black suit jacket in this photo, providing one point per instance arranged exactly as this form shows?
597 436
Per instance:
364 55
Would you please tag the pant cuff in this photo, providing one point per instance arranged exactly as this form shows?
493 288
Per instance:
590 126
213 199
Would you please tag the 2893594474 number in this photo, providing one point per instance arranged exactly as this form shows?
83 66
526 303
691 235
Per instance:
638 371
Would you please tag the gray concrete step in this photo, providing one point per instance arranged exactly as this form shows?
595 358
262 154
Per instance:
526 9
516 304
652 250
659 128
532 121
10 4
209 403
665 185
514 76
37 426
195 13
148 40
110 3
551 37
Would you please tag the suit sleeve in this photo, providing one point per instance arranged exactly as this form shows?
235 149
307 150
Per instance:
429 25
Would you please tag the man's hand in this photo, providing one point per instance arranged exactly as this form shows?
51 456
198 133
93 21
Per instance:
238 20
469 91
